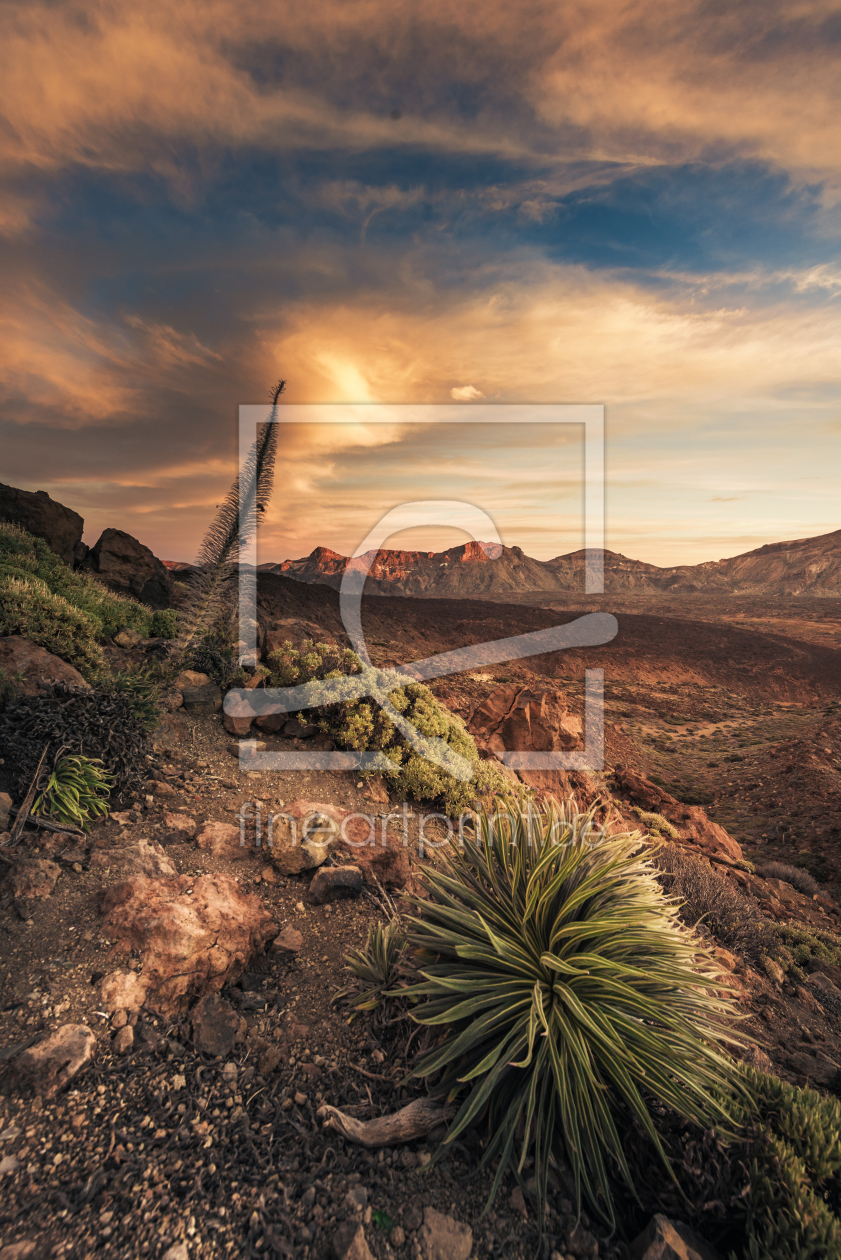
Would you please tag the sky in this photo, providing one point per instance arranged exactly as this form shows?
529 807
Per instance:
633 204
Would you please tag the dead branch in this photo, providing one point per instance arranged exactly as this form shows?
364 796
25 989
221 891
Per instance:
416 1120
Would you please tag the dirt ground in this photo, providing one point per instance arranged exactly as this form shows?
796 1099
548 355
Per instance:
166 1147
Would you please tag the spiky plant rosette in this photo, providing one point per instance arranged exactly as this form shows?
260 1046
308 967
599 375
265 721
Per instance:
568 995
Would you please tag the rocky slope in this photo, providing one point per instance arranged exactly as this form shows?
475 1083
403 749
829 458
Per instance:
807 566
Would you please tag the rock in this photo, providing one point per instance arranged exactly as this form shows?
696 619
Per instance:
525 719
828 969
194 936
237 725
6 803
294 728
204 699
18 1251
124 1040
756 1057
178 828
517 1201
129 568
334 883
289 941
823 986
215 1025
581 1242
178 1251
317 828
144 857
19 656
59 526
123 990
119 1019
443 1238
397 1237
171 700
349 1242
302 835
31 880
670 1240
223 840
271 723
190 678
697 831
249 748
50 1064
773 971
357 1198
269 1060
376 790
128 638
818 1069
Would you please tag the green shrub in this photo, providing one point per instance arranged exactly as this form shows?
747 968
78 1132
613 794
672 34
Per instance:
656 823
42 599
164 624
363 725
800 944
795 1172
76 792
567 995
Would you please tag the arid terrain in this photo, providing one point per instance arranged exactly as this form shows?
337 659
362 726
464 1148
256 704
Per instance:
171 1144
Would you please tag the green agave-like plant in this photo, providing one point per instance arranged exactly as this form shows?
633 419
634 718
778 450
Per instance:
375 969
77 791
569 996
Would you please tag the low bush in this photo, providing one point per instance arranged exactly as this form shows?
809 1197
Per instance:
102 724
801 945
707 896
568 998
656 823
794 875
364 725
66 613
215 654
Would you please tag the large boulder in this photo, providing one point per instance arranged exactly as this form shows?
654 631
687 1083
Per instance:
194 935
129 568
525 719
38 666
59 526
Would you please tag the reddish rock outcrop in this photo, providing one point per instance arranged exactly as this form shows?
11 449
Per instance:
697 831
19 656
223 840
525 719
59 526
49 1065
194 936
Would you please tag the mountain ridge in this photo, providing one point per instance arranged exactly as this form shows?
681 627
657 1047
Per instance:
804 566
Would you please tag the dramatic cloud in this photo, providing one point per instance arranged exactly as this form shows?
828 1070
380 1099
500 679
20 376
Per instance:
630 204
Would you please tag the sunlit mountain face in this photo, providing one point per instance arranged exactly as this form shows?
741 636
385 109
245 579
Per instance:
469 203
